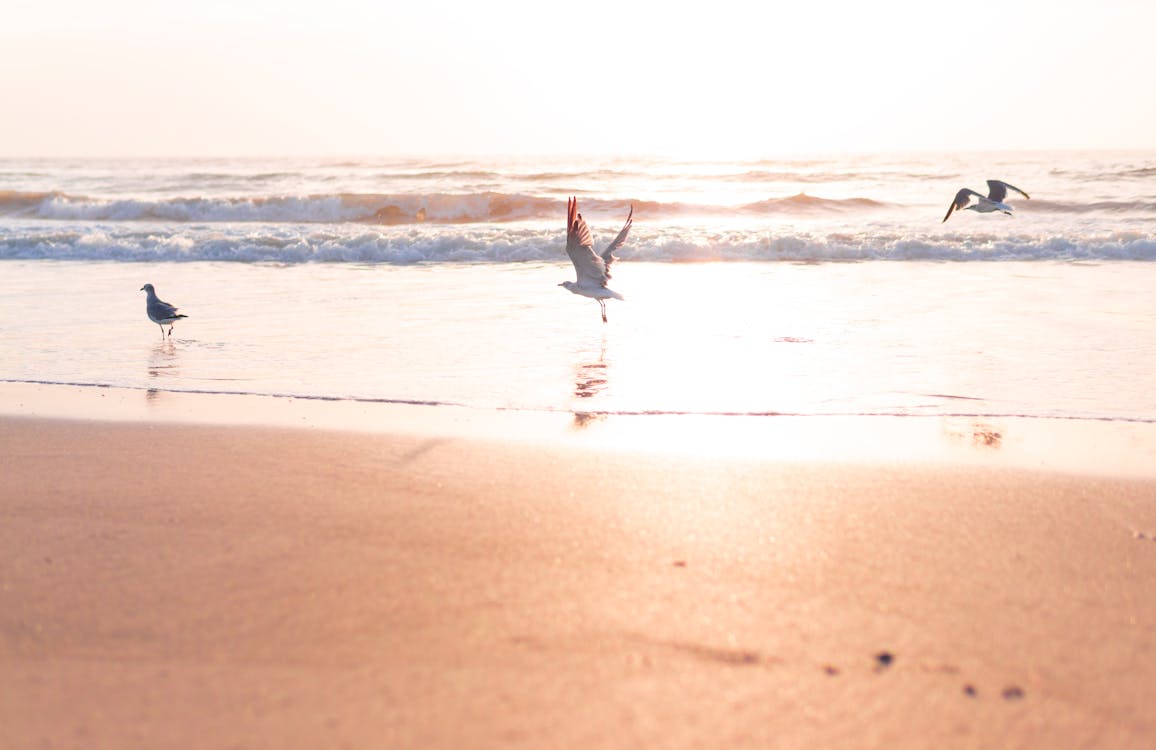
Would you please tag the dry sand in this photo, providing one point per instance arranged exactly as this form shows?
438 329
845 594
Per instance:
204 586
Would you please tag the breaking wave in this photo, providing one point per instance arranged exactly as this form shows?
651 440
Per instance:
333 208
1096 207
513 243
382 209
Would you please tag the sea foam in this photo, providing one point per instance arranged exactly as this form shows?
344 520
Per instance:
353 243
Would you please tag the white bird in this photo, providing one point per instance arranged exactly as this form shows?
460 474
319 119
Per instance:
159 311
993 201
593 270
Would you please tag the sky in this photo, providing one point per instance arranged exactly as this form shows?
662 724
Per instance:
725 78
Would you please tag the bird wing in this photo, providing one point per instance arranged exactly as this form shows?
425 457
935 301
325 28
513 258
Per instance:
590 268
997 190
577 232
161 309
960 201
608 256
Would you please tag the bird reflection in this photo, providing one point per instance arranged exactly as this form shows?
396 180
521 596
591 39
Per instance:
162 363
163 360
590 379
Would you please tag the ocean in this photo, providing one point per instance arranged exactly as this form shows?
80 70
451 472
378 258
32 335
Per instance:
827 285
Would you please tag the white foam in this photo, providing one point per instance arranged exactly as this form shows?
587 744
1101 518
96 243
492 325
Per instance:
254 243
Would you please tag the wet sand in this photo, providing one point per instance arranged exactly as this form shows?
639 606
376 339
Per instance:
175 584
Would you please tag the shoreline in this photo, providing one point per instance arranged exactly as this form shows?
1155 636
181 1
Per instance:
460 583
1115 448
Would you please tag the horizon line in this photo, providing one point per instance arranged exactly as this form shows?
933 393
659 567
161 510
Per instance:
793 155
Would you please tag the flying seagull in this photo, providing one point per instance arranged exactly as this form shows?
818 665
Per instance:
593 270
160 312
996 192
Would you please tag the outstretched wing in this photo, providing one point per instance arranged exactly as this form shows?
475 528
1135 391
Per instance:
608 256
997 190
590 268
961 199
577 232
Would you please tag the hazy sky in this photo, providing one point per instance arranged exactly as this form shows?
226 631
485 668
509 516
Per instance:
721 78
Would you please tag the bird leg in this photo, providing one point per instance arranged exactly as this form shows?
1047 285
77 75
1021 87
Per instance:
603 304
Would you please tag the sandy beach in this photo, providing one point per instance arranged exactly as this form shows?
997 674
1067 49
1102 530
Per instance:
176 584
361 391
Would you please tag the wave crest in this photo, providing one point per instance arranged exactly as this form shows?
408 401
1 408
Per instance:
803 203
512 243
384 209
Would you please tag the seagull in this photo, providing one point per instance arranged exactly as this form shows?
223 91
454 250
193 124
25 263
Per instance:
996 192
160 312
593 270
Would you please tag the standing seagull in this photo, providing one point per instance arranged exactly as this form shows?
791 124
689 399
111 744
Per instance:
159 311
996 192
593 270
